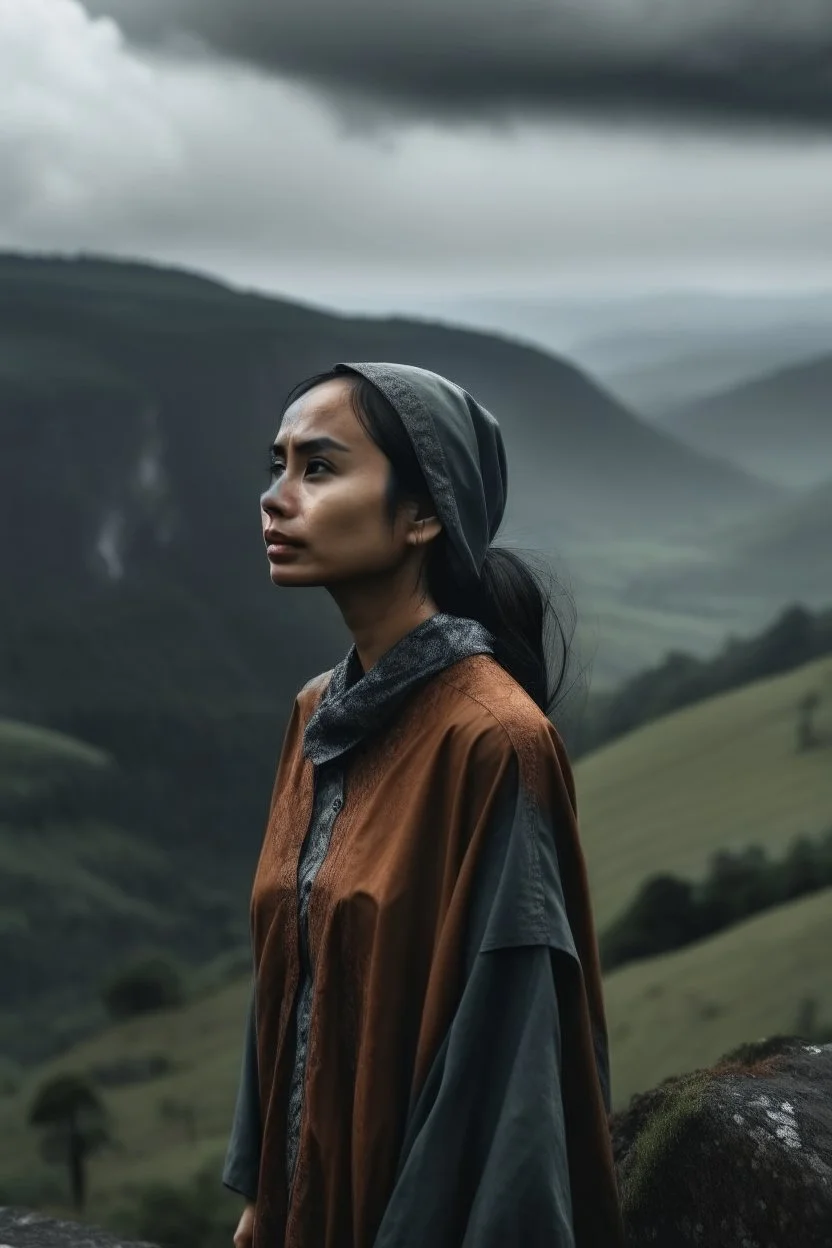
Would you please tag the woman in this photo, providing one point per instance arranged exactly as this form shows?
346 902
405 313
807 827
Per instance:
426 1056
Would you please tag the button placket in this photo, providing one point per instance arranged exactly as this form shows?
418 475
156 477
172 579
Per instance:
313 856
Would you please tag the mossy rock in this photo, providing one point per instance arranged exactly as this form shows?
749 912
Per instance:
735 1156
22 1228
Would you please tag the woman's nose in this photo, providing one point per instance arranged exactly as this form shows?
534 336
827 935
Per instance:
278 497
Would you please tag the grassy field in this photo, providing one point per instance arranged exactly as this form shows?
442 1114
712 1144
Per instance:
724 773
686 1009
29 754
202 1040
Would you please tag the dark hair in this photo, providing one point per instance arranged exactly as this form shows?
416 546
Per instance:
510 599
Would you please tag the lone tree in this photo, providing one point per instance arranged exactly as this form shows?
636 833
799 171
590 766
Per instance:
74 1123
807 708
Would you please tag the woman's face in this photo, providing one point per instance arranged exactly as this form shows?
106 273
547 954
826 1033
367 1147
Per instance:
328 493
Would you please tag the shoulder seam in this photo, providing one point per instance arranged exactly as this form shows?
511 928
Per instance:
314 681
473 698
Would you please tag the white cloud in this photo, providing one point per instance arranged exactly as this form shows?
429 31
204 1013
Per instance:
106 149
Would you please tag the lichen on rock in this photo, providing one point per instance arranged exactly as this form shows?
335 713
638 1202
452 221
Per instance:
735 1156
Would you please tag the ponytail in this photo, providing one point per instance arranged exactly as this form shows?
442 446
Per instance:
512 601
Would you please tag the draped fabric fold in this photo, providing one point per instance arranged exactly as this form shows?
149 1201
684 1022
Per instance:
456 1082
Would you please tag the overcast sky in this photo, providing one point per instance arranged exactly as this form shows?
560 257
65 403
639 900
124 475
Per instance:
365 151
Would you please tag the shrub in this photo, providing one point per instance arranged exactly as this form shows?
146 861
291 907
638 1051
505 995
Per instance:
661 917
737 884
803 869
668 913
151 983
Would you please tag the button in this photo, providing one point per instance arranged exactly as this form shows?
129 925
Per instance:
338 803
307 888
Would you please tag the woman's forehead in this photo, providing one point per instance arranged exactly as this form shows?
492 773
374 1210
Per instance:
326 411
329 401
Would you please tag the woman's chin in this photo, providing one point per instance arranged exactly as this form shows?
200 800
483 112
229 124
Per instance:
283 574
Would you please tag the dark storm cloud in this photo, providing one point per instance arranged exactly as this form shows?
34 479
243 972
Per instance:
769 58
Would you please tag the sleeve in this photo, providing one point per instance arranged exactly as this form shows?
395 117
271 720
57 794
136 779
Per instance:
242 1160
486 1164
485 1161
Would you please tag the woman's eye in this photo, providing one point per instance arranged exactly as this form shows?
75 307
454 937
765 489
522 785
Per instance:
276 466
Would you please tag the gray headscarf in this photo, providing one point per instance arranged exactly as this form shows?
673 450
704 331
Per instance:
460 450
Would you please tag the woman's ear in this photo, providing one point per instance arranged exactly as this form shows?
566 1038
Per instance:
423 529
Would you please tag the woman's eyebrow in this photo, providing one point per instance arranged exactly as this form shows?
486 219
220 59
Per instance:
311 445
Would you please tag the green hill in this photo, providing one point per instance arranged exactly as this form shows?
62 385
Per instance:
796 535
146 389
777 425
724 773
681 679
684 1010
79 891
31 756
784 554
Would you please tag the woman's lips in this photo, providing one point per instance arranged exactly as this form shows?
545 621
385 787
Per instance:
278 550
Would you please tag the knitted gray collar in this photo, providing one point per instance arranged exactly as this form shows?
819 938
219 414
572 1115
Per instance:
355 704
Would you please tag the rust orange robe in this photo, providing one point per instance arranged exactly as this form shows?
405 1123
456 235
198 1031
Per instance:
456 1087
